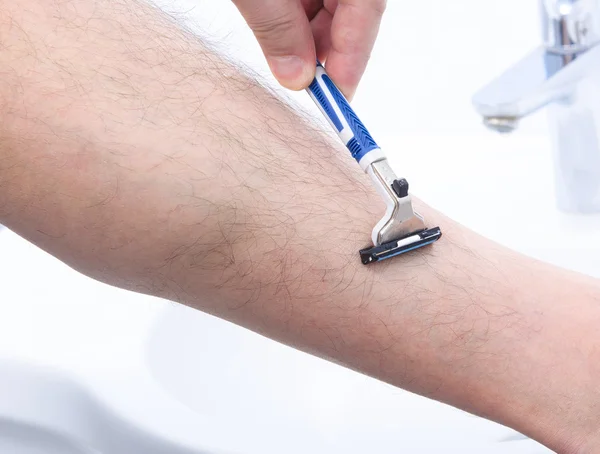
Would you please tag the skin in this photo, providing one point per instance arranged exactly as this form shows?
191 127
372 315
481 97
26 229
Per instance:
140 158
293 33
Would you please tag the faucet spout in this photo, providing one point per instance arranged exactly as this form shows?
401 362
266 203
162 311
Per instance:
564 75
537 80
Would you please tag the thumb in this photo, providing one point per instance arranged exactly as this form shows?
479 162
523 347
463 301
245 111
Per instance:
284 34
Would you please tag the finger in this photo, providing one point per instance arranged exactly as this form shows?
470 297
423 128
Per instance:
284 34
311 7
321 28
353 33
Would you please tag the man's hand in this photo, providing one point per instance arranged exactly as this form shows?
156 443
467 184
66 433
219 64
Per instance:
294 33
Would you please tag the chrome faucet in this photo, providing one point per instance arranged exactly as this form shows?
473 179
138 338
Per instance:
563 74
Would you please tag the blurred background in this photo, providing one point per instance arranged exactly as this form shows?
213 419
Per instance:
176 379
430 58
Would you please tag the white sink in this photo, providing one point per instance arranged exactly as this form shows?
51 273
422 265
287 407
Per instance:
47 411
273 399
22 438
105 371
43 413
73 378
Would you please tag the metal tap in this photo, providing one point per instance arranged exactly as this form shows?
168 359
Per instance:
564 75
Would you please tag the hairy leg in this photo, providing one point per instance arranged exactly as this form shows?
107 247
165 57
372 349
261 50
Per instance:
139 157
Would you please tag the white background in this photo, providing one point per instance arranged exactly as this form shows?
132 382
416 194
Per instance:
430 58
415 98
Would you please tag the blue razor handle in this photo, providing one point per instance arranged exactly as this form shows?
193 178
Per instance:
401 230
342 117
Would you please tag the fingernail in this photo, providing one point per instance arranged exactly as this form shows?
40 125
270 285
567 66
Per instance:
291 71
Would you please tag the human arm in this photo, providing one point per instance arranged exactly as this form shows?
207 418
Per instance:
294 33
140 158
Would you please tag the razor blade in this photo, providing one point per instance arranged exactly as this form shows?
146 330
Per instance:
401 229
401 246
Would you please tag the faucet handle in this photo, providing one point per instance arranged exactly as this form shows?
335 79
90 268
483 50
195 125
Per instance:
570 26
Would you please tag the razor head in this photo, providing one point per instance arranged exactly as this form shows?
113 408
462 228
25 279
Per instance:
399 219
403 245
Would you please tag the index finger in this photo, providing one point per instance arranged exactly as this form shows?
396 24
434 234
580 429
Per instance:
353 33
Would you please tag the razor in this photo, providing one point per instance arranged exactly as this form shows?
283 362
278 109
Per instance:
401 229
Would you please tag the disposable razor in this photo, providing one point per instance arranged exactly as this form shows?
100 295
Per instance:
401 229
